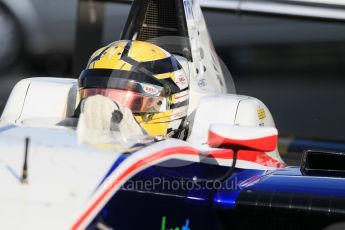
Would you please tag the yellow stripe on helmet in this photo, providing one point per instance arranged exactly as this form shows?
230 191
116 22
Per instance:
144 51
157 125
165 75
110 59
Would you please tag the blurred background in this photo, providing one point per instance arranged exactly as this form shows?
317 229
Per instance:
295 65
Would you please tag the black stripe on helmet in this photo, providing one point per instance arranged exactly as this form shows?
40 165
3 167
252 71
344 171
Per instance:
98 57
160 66
180 104
124 56
109 78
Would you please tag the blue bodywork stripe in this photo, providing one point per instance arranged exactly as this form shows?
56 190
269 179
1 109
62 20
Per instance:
5 128
298 145
226 197
117 162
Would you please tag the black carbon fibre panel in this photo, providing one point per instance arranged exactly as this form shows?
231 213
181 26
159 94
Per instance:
275 210
292 202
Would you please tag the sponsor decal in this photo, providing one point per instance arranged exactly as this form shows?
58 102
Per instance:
179 114
202 83
188 8
261 113
181 96
164 224
150 90
181 81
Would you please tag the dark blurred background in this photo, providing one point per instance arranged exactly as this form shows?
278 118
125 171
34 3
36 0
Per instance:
295 66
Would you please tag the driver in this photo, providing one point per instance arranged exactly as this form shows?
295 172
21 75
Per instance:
138 86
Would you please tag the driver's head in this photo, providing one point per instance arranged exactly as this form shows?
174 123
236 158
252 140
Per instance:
142 77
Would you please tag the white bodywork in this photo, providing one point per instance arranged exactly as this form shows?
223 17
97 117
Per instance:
50 99
64 175
315 9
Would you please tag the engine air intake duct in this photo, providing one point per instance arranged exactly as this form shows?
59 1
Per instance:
321 163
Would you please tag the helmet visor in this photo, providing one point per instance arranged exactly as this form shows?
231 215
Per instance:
137 102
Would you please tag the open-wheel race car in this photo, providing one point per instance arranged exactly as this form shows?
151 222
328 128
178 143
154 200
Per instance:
150 137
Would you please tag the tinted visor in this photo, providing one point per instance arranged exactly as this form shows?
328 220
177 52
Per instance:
127 80
137 102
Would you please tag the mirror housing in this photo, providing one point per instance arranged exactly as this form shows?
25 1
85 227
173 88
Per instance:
236 137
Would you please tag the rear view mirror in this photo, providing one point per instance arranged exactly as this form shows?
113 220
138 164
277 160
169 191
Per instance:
243 137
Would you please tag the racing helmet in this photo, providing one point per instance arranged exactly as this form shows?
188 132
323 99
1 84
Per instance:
144 78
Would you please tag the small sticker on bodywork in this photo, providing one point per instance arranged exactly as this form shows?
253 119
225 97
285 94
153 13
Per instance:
164 225
188 8
261 113
202 83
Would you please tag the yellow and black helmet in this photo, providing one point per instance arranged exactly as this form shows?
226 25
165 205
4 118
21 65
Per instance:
144 78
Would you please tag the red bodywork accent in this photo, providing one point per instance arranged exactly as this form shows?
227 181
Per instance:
264 144
222 154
